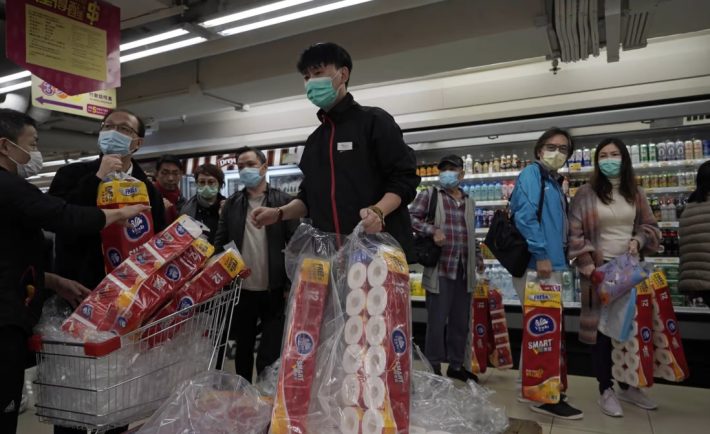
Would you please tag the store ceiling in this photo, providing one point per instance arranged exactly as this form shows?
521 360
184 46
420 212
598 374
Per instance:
388 39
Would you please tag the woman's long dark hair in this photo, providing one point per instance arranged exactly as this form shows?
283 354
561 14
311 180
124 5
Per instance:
702 184
627 181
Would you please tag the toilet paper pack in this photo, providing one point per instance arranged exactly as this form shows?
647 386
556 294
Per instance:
670 361
480 328
500 354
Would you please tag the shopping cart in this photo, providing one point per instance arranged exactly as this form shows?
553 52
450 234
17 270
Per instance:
99 386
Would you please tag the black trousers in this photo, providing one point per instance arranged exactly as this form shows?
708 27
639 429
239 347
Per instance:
601 362
13 357
266 307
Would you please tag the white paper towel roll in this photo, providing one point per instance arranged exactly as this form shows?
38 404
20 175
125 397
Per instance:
619 373
632 378
372 422
355 302
663 356
350 421
617 356
353 330
660 340
616 344
632 361
377 272
375 391
352 358
376 330
632 345
375 361
658 324
376 301
350 390
357 274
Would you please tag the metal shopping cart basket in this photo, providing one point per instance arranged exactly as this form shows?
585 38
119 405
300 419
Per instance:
99 386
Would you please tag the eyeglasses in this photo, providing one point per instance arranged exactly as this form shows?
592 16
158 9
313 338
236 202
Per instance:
553 147
124 129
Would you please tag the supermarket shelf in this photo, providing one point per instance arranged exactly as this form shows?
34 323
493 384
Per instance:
668 225
491 261
481 231
572 170
497 175
491 203
419 298
691 309
661 260
669 190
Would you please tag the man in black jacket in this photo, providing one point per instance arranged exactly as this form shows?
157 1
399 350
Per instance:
79 257
356 165
263 293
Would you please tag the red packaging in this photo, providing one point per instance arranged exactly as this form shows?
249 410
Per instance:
669 357
501 355
542 343
220 271
118 241
479 328
301 340
633 359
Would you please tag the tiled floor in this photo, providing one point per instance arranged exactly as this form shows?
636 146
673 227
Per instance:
682 410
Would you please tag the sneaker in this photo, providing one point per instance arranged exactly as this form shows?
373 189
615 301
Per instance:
560 410
609 404
637 397
461 374
563 398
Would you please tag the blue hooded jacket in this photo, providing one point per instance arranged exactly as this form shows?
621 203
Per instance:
547 239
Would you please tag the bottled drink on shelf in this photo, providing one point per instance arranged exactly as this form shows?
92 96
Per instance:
679 208
706 148
477 167
635 156
662 180
499 191
515 162
587 157
485 167
672 150
643 151
688 150
468 165
661 151
656 208
652 154
697 149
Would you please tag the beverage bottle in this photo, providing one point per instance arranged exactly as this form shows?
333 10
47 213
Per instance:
635 156
679 207
661 150
490 192
688 150
516 162
706 148
663 180
496 165
586 157
476 190
489 217
479 218
656 208
643 151
477 167
485 167
652 155
468 165
591 157
499 191
675 151
697 149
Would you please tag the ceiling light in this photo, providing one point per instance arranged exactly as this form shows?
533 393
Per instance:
14 87
253 12
291 17
13 77
153 39
162 49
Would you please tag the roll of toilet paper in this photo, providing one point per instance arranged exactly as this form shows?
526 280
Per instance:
663 356
658 324
656 309
375 330
617 344
355 302
631 378
619 373
634 328
632 361
632 345
350 421
660 340
617 356
357 275
377 272
350 390
376 301
375 391
416 430
372 422
375 361
665 372
352 358
353 330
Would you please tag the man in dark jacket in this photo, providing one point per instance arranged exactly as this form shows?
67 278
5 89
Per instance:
79 257
356 165
264 292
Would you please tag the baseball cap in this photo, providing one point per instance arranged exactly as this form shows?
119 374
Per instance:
452 159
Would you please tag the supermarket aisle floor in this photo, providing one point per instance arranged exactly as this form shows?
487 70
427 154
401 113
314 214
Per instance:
681 408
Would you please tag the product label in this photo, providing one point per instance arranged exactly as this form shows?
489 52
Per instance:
399 341
304 343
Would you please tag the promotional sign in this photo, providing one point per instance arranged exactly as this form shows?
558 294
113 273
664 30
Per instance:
92 105
72 44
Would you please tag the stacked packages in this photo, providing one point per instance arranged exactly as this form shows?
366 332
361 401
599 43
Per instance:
490 342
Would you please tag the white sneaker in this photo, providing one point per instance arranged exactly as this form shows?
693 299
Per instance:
637 397
610 404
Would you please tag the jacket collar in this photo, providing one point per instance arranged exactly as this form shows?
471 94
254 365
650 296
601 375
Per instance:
337 111
550 174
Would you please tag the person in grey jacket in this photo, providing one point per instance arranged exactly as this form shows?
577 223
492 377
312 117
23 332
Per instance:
264 291
695 239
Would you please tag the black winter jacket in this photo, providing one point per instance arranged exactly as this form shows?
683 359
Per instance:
350 161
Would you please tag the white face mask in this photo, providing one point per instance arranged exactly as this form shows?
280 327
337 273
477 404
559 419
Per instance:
554 160
32 167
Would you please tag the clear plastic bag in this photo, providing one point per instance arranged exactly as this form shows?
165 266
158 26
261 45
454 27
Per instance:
617 277
616 319
212 402
439 406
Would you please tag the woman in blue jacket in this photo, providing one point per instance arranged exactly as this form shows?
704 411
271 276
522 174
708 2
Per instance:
547 235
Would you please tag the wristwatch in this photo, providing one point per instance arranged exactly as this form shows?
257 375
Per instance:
379 213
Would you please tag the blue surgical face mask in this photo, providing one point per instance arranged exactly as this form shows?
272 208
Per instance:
207 192
321 92
111 142
449 179
611 167
250 176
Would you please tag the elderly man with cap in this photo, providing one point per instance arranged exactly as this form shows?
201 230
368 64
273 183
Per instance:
450 283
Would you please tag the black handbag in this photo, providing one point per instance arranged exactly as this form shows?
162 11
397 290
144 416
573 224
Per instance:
426 252
507 243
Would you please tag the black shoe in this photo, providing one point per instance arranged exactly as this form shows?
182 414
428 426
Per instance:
461 374
561 410
437 370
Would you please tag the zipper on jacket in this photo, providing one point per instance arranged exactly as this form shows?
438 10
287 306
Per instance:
333 203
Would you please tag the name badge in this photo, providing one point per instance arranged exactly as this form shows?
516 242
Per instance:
345 146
